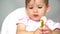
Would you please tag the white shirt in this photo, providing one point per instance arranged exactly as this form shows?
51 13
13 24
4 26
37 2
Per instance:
19 16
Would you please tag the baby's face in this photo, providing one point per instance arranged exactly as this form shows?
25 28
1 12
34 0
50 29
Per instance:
36 9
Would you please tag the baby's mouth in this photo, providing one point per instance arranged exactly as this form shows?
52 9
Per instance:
35 15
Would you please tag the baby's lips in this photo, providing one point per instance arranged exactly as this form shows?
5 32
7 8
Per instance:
35 15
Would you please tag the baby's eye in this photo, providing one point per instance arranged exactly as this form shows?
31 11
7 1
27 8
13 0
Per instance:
39 7
30 7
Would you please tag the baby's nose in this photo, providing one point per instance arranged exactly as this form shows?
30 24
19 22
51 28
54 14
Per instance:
35 10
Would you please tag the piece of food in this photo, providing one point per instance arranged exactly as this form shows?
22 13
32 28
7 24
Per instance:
42 21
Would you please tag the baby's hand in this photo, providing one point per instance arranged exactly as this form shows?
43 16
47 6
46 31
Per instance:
45 30
21 29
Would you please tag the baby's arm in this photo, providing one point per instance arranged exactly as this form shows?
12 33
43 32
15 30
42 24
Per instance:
56 31
21 29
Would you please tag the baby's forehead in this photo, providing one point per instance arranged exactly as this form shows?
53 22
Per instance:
36 2
39 0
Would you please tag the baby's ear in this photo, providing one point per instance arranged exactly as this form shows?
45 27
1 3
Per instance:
48 9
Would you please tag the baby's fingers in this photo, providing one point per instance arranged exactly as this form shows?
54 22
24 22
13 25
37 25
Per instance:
37 31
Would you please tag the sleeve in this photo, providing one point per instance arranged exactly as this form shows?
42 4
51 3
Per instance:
53 25
57 25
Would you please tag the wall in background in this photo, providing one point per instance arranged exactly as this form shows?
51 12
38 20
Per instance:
7 6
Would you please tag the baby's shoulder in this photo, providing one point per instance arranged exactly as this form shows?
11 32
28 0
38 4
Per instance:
50 21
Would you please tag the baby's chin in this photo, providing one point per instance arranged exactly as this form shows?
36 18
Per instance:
36 19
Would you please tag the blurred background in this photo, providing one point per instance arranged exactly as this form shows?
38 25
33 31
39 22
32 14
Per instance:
7 6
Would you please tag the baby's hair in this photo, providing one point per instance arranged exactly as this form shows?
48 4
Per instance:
27 1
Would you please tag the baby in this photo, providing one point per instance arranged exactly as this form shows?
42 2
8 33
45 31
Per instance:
36 9
28 20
